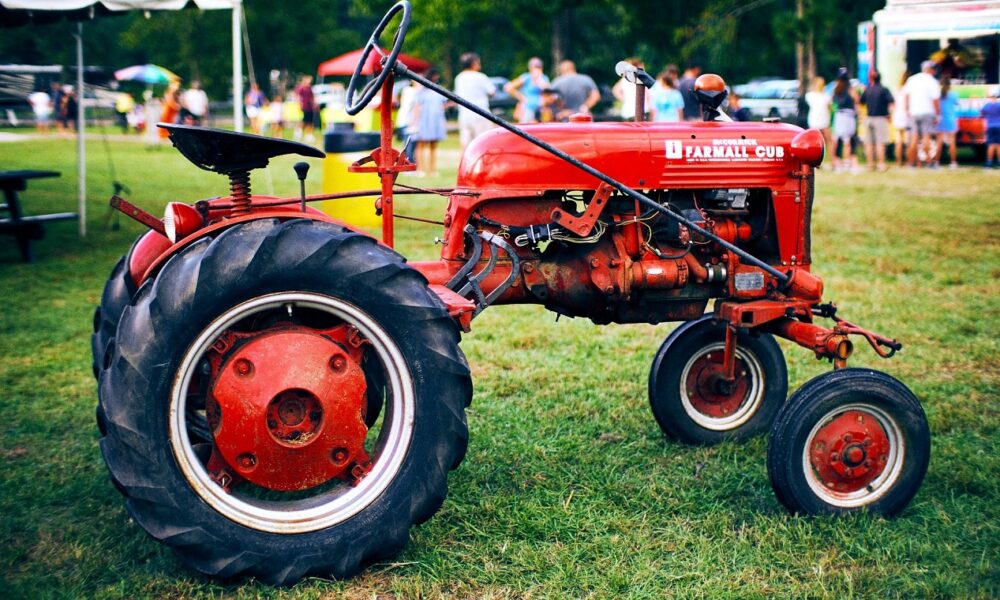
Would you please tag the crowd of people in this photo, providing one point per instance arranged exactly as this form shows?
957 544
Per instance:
60 105
923 116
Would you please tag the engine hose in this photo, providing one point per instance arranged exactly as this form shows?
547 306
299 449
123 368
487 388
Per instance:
698 270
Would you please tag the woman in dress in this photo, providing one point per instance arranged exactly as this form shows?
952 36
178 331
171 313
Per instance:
948 125
427 117
901 120
845 121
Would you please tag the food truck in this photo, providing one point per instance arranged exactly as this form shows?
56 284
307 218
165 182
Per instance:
962 37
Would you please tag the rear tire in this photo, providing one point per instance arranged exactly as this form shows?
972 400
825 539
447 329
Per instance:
680 390
156 447
849 440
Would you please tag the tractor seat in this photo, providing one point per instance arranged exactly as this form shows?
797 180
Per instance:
228 152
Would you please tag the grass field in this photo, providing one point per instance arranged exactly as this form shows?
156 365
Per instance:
568 489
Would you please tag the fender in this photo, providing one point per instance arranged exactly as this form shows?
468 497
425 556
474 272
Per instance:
154 249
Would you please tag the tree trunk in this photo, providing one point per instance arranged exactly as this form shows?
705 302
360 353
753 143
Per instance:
562 35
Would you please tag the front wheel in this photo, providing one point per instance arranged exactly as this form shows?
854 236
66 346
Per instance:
849 440
690 400
239 417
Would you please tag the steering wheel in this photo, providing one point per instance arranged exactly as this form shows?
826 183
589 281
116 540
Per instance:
353 106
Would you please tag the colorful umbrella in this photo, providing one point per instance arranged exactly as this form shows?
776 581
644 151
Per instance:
146 74
345 63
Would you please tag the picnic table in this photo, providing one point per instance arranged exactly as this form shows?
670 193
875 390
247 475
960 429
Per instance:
24 228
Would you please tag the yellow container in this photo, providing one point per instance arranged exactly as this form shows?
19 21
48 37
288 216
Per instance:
343 147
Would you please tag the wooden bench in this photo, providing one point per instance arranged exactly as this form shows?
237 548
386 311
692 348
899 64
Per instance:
25 228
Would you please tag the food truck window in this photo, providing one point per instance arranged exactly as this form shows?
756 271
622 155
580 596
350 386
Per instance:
979 60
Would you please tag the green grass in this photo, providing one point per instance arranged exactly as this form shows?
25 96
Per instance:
569 488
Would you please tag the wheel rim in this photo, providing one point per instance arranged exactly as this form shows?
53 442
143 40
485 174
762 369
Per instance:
853 455
705 404
330 504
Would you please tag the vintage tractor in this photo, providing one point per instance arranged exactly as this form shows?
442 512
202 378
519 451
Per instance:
282 395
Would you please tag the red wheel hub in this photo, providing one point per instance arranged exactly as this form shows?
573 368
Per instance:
707 389
849 452
287 410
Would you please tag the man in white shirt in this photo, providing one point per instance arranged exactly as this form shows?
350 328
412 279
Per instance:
474 86
923 104
194 101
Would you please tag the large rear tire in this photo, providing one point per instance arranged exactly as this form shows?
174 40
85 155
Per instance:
262 292
849 440
684 391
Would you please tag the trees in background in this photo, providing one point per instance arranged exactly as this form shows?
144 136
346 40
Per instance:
739 39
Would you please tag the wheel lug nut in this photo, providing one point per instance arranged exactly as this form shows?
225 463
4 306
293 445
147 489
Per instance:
867 442
338 363
339 455
243 368
246 461
847 437
868 463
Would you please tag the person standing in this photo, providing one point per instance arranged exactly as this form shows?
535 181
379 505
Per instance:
124 106
845 121
901 120
56 95
307 102
948 125
41 105
579 93
254 104
668 103
692 110
171 106
819 108
923 104
527 89
991 112
880 103
428 116
195 104
473 86
68 109
406 126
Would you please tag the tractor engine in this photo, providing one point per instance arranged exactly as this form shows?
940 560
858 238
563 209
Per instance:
544 232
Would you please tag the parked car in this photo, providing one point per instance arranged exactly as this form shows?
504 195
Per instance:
775 98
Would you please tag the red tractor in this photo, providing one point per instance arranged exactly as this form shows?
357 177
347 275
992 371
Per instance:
281 395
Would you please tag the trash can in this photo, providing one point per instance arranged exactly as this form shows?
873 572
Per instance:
344 146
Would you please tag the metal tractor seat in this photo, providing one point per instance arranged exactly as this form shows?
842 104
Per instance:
228 152
232 154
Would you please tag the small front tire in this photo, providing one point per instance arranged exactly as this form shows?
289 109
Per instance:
683 388
849 440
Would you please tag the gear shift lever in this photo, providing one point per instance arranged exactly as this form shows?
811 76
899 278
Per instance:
301 170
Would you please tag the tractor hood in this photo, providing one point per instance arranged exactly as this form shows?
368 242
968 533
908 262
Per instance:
640 155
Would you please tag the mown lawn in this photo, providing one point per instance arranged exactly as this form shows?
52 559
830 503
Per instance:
569 489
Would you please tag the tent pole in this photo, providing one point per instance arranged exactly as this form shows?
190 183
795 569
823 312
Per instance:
81 151
237 65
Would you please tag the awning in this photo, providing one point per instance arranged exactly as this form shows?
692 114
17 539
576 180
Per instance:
345 63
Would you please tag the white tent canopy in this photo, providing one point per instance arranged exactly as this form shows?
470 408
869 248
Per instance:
32 7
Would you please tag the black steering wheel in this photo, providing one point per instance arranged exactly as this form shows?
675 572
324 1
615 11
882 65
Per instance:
353 106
